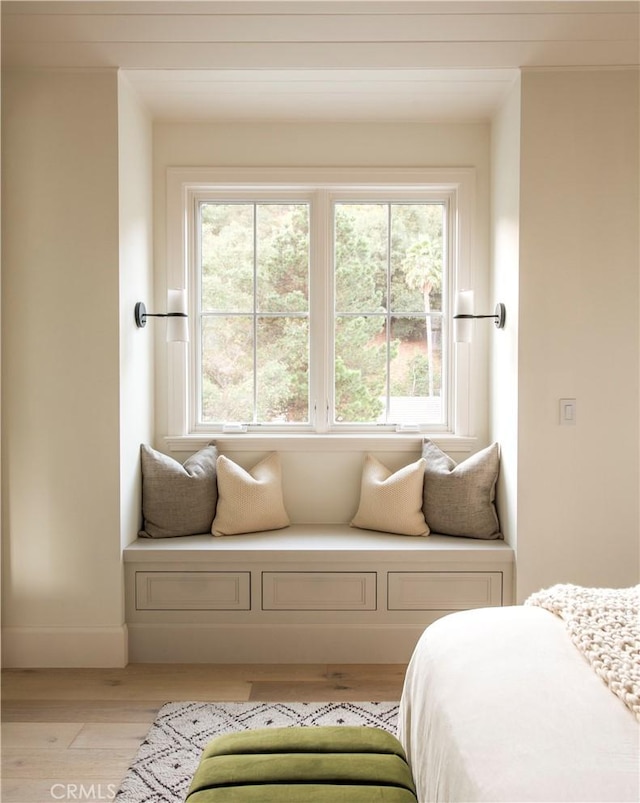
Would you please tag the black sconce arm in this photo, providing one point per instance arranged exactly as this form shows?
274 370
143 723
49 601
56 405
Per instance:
499 316
141 314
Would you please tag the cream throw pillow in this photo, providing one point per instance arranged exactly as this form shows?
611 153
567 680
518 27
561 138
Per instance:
249 501
391 502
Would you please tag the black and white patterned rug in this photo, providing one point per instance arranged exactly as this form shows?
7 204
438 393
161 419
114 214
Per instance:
168 757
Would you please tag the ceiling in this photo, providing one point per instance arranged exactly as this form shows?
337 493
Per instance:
316 60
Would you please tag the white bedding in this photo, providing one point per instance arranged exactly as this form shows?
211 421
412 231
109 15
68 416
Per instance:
499 705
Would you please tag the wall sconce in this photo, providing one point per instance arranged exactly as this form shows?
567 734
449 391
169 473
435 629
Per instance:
176 315
464 316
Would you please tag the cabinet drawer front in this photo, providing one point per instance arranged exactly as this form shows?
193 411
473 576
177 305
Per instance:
443 591
319 591
193 591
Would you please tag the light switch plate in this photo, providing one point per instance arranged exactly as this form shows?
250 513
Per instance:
568 412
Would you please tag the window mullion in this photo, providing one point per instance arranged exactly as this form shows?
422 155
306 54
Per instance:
388 327
255 313
320 311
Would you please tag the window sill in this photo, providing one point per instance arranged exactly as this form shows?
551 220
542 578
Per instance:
389 442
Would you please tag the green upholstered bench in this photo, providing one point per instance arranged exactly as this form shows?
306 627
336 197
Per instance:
325 764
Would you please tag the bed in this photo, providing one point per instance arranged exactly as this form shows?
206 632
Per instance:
500 704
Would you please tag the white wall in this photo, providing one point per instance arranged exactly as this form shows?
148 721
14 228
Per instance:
505 215
136 284
60 404
77 382
76 398
577 502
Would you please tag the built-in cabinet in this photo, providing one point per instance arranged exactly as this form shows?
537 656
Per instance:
310 593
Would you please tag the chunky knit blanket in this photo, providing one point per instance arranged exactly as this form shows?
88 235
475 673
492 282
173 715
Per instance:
604 624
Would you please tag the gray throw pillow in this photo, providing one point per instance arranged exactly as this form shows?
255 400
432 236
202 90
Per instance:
178 499
459 499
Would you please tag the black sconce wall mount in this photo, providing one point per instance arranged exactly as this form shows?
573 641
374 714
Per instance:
177 326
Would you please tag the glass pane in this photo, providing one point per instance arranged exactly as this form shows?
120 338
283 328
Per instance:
361 235
227 369
360 368
226 236
417 257
282 245
416 371
283 370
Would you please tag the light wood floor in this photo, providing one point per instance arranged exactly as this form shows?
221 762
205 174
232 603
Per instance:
70 734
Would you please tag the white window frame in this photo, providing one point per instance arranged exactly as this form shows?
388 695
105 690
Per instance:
185 186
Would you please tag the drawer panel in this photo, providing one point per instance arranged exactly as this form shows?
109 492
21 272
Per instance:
319 591
443 591
193 591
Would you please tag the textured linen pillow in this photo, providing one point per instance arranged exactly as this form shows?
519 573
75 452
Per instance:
178 499
249 501
459 498
391 502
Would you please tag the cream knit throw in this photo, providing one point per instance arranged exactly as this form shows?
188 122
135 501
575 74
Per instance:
604 624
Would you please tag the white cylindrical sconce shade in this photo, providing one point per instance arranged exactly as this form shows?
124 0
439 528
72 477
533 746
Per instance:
463 326
177 321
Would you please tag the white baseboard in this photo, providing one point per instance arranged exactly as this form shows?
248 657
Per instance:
51 647
220 644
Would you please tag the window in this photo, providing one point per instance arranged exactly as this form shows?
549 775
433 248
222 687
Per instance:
319 305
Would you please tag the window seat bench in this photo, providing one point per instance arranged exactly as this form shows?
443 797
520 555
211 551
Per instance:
310 593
